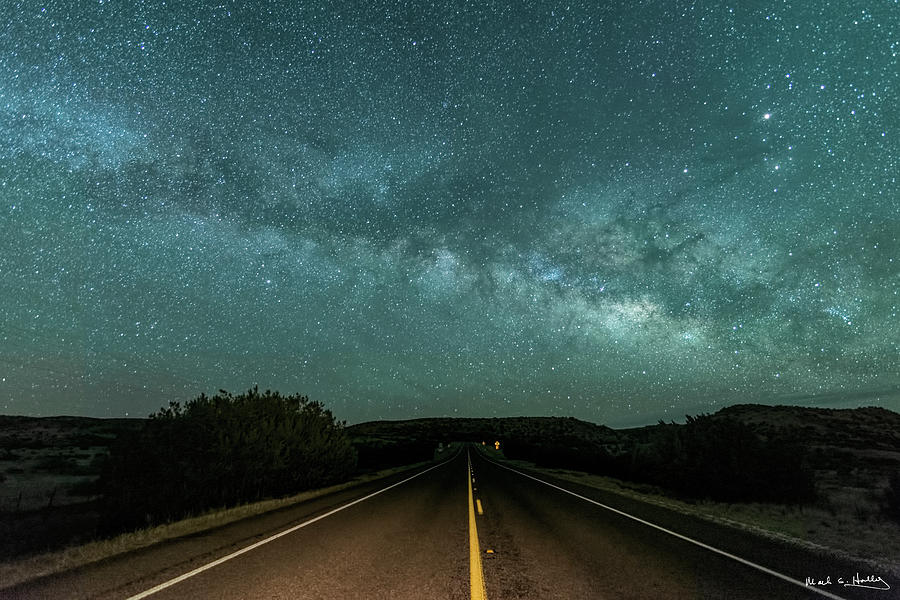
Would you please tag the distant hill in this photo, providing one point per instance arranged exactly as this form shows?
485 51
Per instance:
869 428
489 429
866 431
49 466
858 447
855 447
62 431
869 431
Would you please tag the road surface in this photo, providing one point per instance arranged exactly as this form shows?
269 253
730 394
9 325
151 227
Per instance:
409 537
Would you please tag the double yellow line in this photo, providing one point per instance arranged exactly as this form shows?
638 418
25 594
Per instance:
476 573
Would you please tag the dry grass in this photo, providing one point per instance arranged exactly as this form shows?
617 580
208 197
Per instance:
847 523
18 571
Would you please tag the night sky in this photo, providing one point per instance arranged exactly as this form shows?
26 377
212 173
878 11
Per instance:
619 212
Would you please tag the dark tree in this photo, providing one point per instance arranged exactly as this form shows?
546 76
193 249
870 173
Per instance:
221 451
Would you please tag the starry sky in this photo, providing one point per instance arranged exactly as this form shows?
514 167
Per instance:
622 211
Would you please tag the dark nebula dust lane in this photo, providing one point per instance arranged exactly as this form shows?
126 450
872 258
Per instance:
616 212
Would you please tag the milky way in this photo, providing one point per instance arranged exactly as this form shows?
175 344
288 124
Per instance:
620 213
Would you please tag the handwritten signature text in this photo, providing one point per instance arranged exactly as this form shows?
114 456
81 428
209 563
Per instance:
872 582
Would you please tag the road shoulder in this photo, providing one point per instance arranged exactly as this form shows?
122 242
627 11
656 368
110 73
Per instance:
701 518
175 545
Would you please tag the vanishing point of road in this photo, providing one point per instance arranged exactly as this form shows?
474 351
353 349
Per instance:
466 528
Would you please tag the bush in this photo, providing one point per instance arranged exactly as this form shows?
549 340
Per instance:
221 451
892 496
707 457
60 465
375 454
724 459
566 453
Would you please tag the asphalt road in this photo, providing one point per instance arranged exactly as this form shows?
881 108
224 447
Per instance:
551 544
412 541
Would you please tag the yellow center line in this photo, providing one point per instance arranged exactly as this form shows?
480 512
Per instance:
476 574
478 506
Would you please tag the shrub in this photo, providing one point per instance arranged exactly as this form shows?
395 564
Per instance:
62 465
724 459
707 457
892 496
222 451
375 454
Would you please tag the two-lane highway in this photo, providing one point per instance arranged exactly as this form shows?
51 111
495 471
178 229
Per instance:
402 543
552 542
466 528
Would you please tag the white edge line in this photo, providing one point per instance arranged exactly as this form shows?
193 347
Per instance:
743 561
253 546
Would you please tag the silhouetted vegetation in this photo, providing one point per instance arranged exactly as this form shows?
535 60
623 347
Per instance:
578 455
376 453
221 451
853 453
707 457
892 496
724 459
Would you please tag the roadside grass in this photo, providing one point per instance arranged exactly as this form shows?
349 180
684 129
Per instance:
846 522
32 567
